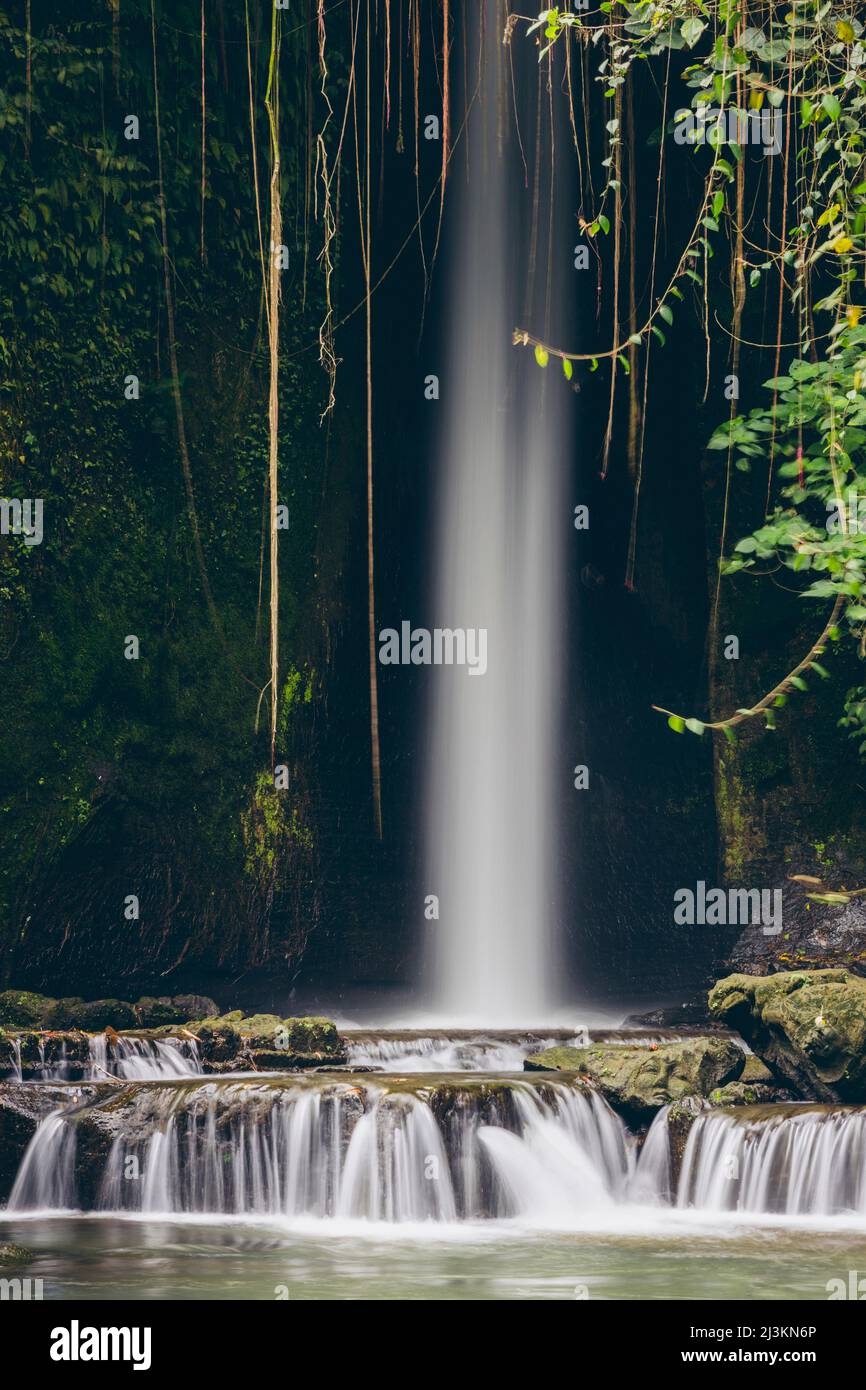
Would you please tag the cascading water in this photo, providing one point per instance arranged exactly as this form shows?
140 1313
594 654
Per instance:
332 1149
502 523
779 1159
141 1059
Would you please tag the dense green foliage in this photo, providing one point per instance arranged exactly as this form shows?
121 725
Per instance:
169 741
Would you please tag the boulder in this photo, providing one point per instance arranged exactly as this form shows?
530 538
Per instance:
638 1081
808 1026
20 1008
269 1043
219 1042
194 1006
158 1013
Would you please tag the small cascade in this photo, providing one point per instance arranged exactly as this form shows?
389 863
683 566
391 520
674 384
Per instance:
330 1149
141 1059
567 1162
798 1160
15 1044
46 1179
441 1052
653 1178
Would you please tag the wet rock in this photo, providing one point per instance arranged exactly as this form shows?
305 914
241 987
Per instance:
638 1081
681 1116
15 1255
808 1026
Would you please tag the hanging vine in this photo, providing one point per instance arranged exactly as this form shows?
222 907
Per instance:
801 68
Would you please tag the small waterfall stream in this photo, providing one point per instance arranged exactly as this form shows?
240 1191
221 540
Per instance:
142 1059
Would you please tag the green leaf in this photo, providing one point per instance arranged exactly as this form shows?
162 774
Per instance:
798 683
666 313
695 726
692 29
542 357
677 723
567 369
831 105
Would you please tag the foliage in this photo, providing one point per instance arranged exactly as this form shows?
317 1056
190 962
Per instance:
806 64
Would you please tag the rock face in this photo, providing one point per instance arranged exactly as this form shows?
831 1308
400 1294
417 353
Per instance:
637 1081
808 1026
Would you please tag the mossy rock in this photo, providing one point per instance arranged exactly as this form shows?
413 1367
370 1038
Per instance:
193 1006
638 1081
64 1013
159 1012
218 1041
259 1030
281 1043
756 1073
15 1255
807 1026
24 1009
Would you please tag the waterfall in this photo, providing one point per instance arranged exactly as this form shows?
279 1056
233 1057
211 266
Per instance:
329 1149
779 1159
46 1177
653 1177
502 524
141 1059
443 1053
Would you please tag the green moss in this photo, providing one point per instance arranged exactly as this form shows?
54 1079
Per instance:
24 1009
